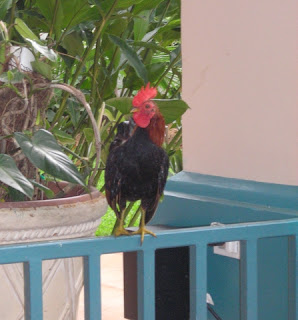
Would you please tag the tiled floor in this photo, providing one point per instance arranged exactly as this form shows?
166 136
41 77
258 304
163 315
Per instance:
111 288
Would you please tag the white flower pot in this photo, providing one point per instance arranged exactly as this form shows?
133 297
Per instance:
31 221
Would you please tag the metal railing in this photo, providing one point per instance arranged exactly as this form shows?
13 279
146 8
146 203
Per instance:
32 255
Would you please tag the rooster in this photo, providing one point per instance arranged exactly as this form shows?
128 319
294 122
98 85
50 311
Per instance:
137 166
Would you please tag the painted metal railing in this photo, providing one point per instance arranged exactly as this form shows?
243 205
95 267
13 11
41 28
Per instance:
197 239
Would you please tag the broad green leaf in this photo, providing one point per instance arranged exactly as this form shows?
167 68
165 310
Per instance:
15 195
124 105
116 27
24 30
45 153
5 5
127 3
146 5
48 192
169 33
171 109
68 13
141 24
42 68
12 176
49 53
105 6
12 76
154 70
131 57
73 44
48 10
81 14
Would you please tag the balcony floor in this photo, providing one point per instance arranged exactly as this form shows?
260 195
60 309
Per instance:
111 288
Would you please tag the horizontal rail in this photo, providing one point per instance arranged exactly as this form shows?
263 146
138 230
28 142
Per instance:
165 239
32 255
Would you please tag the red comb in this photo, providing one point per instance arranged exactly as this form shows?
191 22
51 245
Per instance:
143 95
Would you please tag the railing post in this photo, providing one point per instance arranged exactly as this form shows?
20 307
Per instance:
294 274
198 281
252 279
92 288
33 289
146 284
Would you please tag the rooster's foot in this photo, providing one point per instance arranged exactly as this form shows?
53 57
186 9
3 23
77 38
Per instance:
142 231
121 231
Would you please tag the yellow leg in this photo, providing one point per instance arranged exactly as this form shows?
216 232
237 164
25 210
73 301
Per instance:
119 229
142 230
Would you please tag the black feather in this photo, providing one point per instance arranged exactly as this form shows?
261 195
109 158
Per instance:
136 169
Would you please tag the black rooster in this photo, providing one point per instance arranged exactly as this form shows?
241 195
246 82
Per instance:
137 166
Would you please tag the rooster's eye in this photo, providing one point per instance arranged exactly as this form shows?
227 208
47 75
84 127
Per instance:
147 106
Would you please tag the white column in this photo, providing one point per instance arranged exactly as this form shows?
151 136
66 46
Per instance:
241 81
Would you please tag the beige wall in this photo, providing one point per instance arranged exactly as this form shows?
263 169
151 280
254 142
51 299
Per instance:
240 79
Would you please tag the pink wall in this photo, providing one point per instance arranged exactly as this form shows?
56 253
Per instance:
240 77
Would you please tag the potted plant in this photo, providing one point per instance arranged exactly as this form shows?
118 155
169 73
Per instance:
43 196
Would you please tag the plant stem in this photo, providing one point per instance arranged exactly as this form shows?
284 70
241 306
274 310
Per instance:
80 96
57 2
95 73
97 34
164 13
169 85
13 8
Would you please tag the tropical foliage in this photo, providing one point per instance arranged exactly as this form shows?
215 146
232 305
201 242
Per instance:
108 50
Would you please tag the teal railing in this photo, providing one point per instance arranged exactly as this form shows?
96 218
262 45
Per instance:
198 238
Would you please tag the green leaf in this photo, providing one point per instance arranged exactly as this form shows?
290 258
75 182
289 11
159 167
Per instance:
63 137
12 176
132 57
116 27
47 8
83 13
155 70
171 109
89 134
48 192
24 30
5 5
141 24
74 111
146 5
42 68
127 3
49 53
73 44
149 45
12 76
124 105
45 153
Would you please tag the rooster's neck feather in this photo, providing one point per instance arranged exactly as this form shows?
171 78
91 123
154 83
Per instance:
156 129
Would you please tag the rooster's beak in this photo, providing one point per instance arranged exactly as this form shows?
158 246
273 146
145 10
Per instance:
133 110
